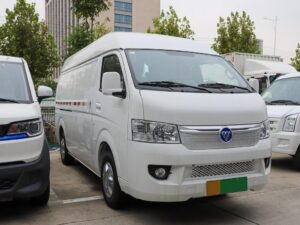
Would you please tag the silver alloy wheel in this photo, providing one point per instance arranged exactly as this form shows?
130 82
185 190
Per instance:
108 179
62 148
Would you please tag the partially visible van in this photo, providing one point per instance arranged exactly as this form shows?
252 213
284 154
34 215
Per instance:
24 154
161 119
283 101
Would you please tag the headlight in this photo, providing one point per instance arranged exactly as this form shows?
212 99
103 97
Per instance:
30 128
154 132
290 123
264 130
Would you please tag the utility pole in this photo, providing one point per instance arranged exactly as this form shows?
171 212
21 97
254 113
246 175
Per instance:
275 20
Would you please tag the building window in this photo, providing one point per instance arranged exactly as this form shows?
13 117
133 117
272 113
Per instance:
123 6
123 29
123 19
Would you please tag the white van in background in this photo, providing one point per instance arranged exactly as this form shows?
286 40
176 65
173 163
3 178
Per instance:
161 119
283 100
24 154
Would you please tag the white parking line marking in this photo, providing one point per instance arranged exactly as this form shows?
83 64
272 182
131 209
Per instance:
87 199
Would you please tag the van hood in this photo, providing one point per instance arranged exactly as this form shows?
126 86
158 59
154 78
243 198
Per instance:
280 111
11 112
203 109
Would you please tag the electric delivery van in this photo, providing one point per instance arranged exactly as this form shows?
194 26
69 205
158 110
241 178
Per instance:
161 119
283 103
24 154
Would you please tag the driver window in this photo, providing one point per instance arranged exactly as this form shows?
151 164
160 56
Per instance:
111 63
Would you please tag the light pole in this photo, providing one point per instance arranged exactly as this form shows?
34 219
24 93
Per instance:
275 31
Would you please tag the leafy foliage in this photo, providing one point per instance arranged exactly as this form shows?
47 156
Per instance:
236 34
296 59
24 36
170 24
84 34
89 9
81 36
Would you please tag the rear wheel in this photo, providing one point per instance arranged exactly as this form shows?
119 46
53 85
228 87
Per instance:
66 158
296 160
113 195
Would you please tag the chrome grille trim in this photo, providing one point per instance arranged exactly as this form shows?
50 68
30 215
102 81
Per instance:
207 137
201 171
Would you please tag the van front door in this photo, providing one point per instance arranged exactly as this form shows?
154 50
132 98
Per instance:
111 113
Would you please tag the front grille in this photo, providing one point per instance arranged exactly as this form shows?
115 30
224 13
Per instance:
201 138
7 184
223 169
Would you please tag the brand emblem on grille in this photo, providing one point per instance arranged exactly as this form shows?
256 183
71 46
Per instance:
226 135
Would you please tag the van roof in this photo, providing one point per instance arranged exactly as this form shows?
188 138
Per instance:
291 75
124 40
4 58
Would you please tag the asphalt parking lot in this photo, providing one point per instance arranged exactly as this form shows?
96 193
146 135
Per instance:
76 199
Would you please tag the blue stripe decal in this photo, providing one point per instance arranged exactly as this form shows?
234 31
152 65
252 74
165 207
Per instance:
13 137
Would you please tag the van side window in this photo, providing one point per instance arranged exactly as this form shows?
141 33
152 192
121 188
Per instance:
111 63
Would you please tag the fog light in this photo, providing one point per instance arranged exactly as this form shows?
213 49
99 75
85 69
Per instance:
159 172
267 162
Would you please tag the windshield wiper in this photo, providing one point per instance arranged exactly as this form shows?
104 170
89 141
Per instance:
170 84
8 100
225 86
285 102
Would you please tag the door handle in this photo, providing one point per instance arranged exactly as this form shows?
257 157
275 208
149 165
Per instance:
98 107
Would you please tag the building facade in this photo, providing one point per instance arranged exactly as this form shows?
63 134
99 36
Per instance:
122 16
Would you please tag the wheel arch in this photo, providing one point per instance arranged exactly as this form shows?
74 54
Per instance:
105 143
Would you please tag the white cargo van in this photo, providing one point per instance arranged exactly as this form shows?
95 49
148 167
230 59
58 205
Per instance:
161 119
283 100
24 155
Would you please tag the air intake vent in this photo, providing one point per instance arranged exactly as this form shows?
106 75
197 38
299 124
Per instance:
6 184
223 169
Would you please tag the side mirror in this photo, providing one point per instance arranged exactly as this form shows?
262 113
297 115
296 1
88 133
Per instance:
254 83
44 92
112 85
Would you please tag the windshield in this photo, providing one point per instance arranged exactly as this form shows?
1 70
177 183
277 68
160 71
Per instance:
184 71
284 91
13 83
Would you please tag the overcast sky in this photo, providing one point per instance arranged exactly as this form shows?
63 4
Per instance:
203 16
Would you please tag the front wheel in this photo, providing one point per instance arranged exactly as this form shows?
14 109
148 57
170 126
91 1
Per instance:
296 160
113 195
66 158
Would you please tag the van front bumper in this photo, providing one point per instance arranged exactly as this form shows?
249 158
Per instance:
25 180
285 142
180 186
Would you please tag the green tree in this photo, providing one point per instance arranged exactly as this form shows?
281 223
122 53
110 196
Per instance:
81 36
170 24
296 59
23 35
236 34
89 9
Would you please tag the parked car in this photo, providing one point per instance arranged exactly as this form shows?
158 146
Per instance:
283 100
24 155
161 119
260 69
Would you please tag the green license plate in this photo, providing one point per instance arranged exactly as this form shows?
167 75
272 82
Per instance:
219 187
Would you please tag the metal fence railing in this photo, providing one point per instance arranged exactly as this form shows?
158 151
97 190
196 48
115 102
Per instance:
48 114
48 110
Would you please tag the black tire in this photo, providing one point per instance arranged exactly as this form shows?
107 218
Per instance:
43 199
116 199
296 160
66 158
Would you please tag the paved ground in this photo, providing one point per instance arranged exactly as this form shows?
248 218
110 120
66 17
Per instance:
76 199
